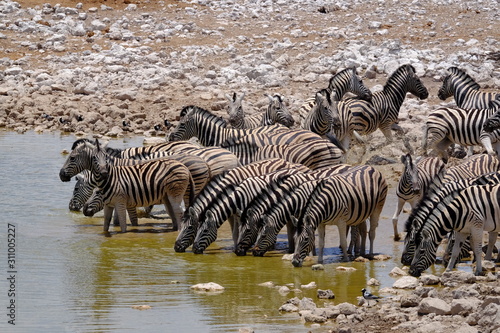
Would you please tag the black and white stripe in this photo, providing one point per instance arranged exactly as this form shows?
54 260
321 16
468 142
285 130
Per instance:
210 129
455 178
414 182
143 184
216 187
465 127
465 90
383 110
471 211
344 200
276 112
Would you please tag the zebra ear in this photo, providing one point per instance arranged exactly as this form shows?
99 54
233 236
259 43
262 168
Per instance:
403 159
239 212
270 97
192 213
209 217
295 221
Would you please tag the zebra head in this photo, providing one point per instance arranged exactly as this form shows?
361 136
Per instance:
100 162
414 84
347 80
79 159
207 233
94 204
235 108
247 232
195 121
493 122
278 110
304 240
266 238
410 175
82 191
357 87
455 83
425 255
328 107
187 230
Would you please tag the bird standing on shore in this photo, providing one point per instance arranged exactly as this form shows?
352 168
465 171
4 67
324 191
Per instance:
368 296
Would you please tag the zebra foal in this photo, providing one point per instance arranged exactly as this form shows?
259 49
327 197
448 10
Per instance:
416 178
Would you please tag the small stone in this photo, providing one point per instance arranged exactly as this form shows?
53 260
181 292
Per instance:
326 294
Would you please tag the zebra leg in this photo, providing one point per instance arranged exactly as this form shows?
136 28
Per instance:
459 239
234 222
486 142
132 215
121 211
108 213
373 228
361 241
343 240
476 238
321 241
116 220
401 203
388 134
173 207
492 238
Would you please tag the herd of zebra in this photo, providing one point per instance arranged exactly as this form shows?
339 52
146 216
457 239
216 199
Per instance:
260 174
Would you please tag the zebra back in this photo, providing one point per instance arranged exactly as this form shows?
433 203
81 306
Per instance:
465 90
210 129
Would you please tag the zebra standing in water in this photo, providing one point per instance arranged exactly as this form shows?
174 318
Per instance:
464 90
140 185
276 112
471 211
362 117
344 200
445 126
414 182
215 188
322 119
453 179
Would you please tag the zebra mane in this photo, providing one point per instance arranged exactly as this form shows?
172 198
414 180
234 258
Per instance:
327 94
462 76
204 113
81 141
398 72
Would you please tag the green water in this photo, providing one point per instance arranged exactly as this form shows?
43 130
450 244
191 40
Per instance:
72 277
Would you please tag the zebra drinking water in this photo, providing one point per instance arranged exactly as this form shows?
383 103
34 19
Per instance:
414 182
471 211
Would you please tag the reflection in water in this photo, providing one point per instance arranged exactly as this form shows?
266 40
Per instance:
75 277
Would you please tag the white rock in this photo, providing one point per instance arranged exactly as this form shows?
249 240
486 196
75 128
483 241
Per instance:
210 286
406 282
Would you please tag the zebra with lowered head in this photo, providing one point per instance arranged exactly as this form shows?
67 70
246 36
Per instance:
347 199
276 112
471 211
415 179
465 90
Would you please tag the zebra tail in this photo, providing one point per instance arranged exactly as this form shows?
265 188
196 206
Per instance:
191 191
333 139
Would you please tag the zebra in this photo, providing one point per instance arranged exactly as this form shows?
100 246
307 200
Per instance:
445 126
218 159
362 117
210 129
233 200
414 182
453 179
471 211
276 112
465 90
143 184
323 117
347 80
209 194
344 200
82 191
266 215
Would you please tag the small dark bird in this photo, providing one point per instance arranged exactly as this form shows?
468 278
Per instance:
48 117
368 296
63 121
126 123
157 127
79 117
167 123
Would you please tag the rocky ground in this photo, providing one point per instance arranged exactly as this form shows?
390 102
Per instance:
123 67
